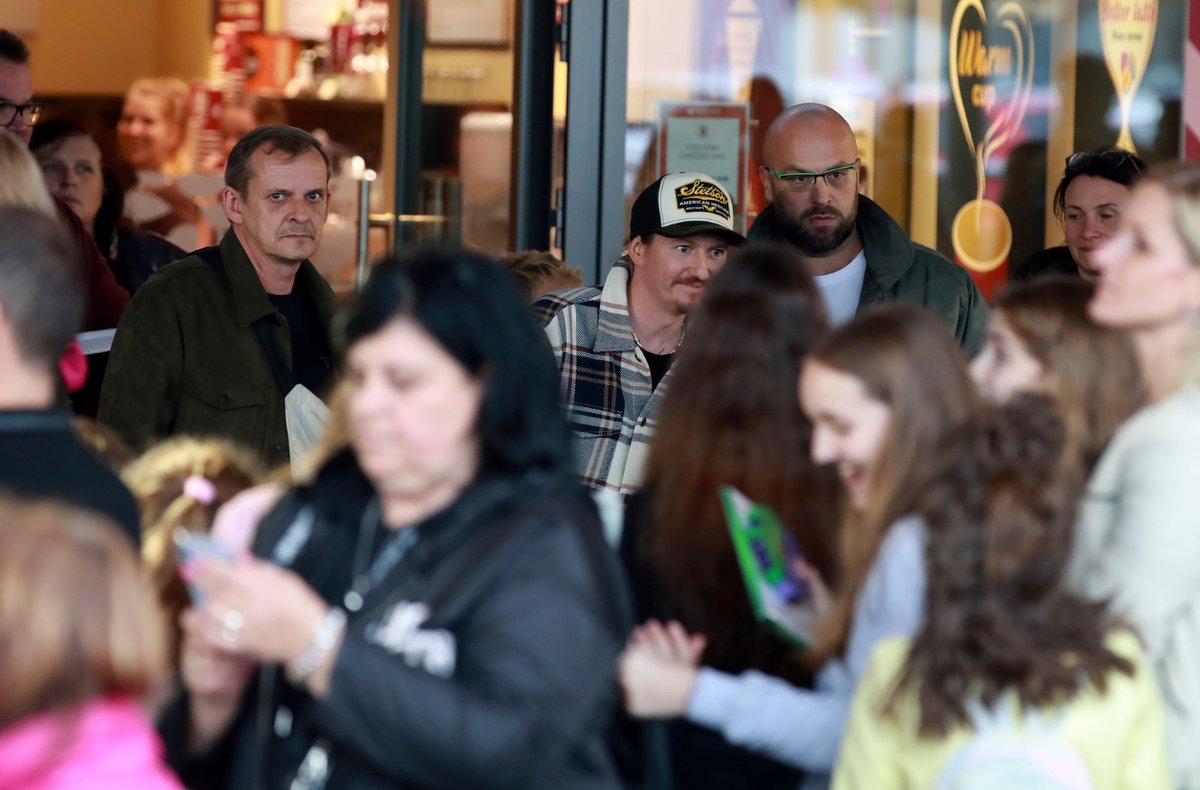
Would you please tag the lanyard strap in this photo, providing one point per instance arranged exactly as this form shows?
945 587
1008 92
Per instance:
484 496
365 579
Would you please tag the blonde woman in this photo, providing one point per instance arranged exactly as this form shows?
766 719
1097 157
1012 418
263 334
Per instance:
152 132
21 181
152 136
1138 538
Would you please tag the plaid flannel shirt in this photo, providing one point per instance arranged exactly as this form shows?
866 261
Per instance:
605 381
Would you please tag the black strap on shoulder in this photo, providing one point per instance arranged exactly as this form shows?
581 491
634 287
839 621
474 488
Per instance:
283 374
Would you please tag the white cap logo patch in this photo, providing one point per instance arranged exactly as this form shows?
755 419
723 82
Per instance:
704 197
684 204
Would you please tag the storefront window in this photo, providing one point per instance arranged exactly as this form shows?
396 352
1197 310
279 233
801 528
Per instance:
964 110
321 65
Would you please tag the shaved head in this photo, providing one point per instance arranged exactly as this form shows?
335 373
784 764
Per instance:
819 219
803 123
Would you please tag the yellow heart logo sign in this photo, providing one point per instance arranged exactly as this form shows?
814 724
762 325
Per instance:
991 79
1127 34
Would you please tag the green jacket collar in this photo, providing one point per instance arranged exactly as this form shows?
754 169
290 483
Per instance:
250 300
889 249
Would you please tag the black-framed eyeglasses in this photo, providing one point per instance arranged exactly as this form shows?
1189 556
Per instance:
31 111
1113 157
833 177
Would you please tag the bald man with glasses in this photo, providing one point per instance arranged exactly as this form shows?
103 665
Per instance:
19 112
858 254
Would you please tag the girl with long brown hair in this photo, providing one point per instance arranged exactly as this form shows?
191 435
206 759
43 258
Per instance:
1012 680
731 418
883 393
1040 339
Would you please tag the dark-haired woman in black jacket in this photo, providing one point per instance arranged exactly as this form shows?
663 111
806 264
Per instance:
436 608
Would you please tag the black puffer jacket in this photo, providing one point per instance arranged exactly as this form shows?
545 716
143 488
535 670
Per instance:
506 682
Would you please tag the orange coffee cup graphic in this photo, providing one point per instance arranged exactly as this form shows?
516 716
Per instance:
981 235
991 66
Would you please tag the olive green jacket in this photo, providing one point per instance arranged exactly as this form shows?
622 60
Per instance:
899 269
185 359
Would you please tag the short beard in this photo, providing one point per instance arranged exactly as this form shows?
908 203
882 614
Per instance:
817 243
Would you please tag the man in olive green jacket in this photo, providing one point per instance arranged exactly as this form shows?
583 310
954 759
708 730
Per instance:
858 253
191 354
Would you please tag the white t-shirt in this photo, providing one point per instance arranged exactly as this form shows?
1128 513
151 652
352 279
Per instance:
841 289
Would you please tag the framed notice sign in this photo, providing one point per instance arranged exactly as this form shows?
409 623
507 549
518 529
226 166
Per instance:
711 138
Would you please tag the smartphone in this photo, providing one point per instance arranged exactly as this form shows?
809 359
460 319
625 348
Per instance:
192 546
791 586
767 555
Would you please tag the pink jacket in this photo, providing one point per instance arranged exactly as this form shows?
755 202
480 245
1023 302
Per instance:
110 745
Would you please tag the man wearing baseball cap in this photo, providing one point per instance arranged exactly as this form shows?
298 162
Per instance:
615 344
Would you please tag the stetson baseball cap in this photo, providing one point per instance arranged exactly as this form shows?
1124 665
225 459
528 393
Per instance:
684 204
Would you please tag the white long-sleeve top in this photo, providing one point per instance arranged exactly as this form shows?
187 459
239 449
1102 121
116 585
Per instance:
804 727
1137 545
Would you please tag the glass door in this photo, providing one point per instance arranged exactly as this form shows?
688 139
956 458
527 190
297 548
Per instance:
964 110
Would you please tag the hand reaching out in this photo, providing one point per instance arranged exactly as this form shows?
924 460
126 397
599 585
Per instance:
658 669
256 610
253 612
671 643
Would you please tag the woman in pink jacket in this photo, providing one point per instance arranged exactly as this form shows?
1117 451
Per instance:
81 647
